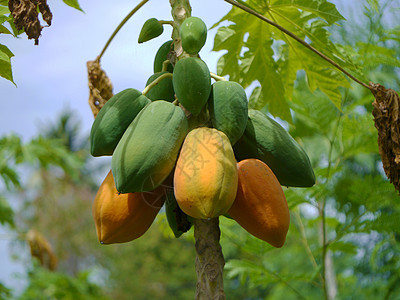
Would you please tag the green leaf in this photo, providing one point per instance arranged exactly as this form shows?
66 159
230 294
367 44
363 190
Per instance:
4 9
273 60
3 19
4 2
344 247
74 4
4 30
6 213
322 8
5 63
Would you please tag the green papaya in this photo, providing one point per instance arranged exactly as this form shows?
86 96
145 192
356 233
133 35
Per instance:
161 56
269 142
151 29
192 83
201 120
193 33
163 90
178 221
148 150
228 109
113 119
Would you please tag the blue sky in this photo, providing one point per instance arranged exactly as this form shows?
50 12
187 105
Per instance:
52 76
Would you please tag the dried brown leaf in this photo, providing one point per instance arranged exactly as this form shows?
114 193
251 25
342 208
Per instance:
100 86
41 249
45 11
25 16
387 122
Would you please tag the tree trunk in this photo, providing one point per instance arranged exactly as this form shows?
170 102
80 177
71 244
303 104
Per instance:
209 260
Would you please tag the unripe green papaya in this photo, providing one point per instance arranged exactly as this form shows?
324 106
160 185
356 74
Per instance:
148 150
164 90
201 120
178 221
193 34
269 142
113 119
192 83
150 30
228 109
161 56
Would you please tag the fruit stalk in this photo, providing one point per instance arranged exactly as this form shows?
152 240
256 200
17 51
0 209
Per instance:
209 261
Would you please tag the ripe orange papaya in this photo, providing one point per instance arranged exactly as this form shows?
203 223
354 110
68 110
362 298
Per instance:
260 206
121 218
205 178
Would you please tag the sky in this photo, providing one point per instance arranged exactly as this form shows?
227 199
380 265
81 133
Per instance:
52 76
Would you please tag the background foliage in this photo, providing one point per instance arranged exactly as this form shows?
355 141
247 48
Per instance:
344 239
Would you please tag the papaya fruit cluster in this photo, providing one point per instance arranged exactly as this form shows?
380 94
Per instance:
195 146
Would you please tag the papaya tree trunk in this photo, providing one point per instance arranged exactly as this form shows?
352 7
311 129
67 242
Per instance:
209 260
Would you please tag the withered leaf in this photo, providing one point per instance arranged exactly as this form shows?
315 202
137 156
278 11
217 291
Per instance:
25 16
386 117
100 86
41 249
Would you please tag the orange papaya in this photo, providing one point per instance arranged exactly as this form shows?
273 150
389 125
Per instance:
205 178
121 218
260 206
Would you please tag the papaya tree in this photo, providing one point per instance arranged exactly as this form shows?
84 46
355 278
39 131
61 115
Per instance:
206 184
205 149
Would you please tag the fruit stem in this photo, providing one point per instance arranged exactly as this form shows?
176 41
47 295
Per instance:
165 65
216 77
128 16
249 10
155 82
209 260
167 23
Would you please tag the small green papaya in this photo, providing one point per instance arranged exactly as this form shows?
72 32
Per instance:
113 119
269 142
228 109
164 90
178 221
151 29
192 83
148 150
193 33
161 56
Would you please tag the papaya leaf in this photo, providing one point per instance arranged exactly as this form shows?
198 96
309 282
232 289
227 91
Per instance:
5 63
4 9
73 4
345 247
4 29
6 213
261 53
322 9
